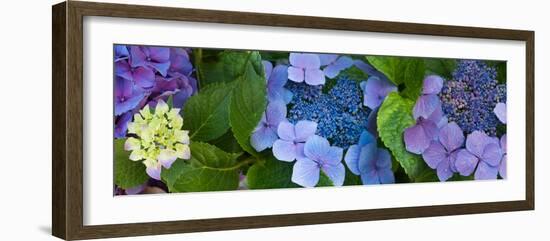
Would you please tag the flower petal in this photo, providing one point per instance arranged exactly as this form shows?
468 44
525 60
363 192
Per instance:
503 143
166 157
333 155
278 77
305 61
296 74
132 144
366 138
444 171
451 136
304 129
434 154
492 154
305 173
314 77
336 173
476 142
284 150
502 167
352 158
384 159
327 59
263 138
367 158
465 162
137 56
154 171
275 113
416 140
144 77
268 67
316 147
370 177
386 176
159 54
425 106
432 85
500 112
285 130
342 63
485 172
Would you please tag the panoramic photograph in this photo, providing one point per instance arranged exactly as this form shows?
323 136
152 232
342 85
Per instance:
188 119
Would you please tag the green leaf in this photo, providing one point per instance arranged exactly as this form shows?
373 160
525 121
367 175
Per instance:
394 116
274 56
215 66
248 102
500 67
128 173
441 67
209 169
270 173
352 179
227 142
206 114
324 181
401 70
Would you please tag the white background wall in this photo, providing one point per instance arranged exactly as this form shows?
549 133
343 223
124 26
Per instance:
25 120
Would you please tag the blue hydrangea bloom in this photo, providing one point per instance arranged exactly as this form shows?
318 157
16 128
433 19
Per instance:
471 96
369 161
339 113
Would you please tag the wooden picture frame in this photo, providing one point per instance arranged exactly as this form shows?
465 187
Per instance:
67 123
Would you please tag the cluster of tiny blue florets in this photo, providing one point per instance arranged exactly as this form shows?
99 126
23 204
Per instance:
471 96
303 92
339 112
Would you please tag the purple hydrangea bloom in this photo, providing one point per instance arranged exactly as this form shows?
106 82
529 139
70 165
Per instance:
375 91
318 156
143 77
121 124
428 115
265 133
442 152
502 167
126 96
291 140
180 63
500 112
369 161
483 154
121 52
334 64
276 79
157 58
305 67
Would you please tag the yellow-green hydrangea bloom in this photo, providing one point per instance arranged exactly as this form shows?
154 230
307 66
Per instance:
160 138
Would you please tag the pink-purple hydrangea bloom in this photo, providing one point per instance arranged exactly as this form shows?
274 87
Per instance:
306 68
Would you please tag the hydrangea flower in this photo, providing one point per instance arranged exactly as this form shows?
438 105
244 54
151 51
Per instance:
159 138
318 156
276 79
370 70
428 115
471 96
180 64
290 144
305 67
121 124
339 113
502 167
369 161
334 64
157 58
375 91
265 134
483 154
143 77
500 112
442 152
121 52
304 93
126 96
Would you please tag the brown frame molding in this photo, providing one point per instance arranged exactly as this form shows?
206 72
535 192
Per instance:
67 119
